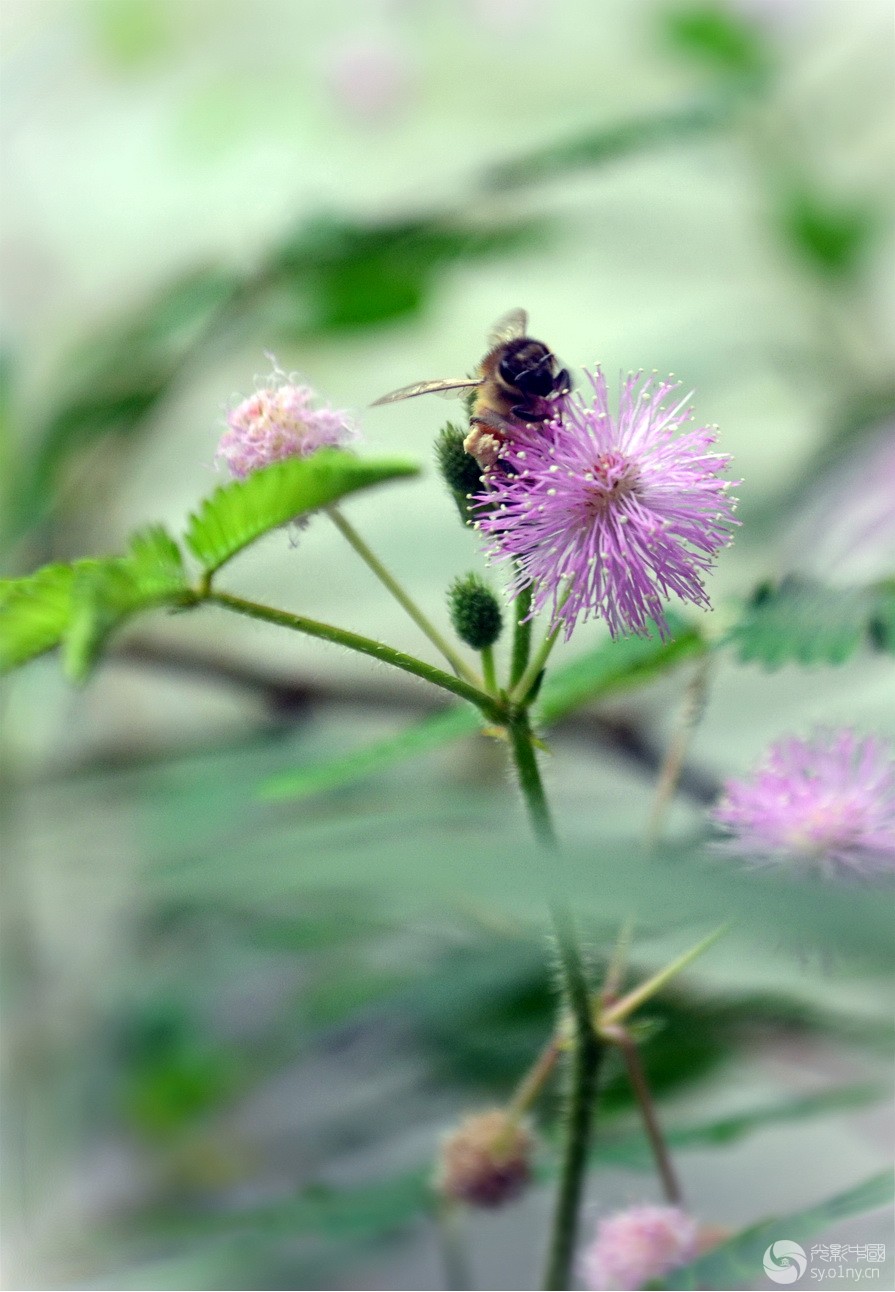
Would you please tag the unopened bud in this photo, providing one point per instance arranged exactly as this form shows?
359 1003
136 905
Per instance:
486 1161
475 612
460 472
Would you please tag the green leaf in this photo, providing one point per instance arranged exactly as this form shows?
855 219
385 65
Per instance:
83 602
633 1150
605 144
832 236
616 666
105 593
329 774
116 379
343 275
802 621
738 1262
34 613
722 41
237 514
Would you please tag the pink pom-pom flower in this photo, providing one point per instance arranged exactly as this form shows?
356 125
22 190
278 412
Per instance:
278 422
608 515
827 803
635 1246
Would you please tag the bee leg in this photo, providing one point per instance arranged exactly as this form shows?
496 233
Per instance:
522 414
562 383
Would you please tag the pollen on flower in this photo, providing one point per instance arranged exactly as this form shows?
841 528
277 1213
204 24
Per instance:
632 508
277 422
826 803
638 1245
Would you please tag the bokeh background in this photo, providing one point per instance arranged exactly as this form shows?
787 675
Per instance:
234 1029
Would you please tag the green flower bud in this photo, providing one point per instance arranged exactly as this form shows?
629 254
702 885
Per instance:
475 612
459 471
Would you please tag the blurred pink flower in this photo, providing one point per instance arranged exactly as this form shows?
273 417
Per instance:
826 803
368 78
636 1246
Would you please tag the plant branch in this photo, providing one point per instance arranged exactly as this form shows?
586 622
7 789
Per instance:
521 633
637 1076
365 646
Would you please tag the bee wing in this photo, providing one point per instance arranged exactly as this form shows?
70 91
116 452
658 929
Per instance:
446 385
510 325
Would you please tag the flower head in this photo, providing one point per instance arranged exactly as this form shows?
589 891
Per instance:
486 1161
635 1246
279 421
827 803
610 515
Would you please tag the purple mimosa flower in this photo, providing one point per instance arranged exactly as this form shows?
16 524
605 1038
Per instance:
826 803
278 422
609 515
638 1245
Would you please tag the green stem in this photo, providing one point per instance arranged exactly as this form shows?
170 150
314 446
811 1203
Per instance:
585 1050
532 673
521 633
583 1071
490 707
523 685
531 784
389 581
488 672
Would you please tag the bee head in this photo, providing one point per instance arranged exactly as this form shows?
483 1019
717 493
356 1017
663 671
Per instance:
528 366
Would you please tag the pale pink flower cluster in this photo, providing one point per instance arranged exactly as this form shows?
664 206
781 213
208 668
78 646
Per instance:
278 422
635 1246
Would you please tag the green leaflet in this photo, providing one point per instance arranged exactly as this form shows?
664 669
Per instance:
237 514
108 592
83 602
805 622
738 1263
34 612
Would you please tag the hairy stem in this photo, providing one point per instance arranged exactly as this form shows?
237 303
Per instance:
460 667
583 1071
585 1048
521 634
490 707
488 672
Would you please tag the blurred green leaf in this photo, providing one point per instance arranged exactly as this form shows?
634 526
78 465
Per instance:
605 144
343 274
431 733
738 1261
116 379
805 622
831 235
721 40
633 1150
239 513
615 666
610 667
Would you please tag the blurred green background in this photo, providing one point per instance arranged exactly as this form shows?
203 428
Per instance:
235 1028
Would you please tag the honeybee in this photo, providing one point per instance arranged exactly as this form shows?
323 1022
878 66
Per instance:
517 381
